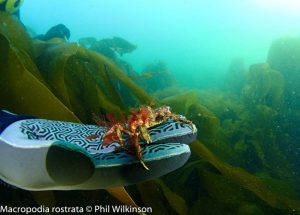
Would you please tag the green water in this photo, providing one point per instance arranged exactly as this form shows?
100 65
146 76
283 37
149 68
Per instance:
196 39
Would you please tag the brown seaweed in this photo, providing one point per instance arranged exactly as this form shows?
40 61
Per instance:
246 180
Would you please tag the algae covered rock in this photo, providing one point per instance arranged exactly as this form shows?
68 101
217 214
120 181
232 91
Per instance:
207 123
284 56
226 106
57 31
112 48
108 47
156 77
181 103
188 104
263 86
117 44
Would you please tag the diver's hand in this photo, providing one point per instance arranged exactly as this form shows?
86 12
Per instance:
38 154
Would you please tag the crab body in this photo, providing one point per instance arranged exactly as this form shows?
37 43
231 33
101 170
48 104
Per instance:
136 127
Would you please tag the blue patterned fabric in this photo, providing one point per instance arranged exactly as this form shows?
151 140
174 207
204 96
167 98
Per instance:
7 118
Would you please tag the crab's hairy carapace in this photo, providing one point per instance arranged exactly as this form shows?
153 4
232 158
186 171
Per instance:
136 127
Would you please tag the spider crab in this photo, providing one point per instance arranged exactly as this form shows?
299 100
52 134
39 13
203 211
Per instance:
136 127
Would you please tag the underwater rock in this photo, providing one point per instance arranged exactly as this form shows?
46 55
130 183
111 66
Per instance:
263 86
284 56
188 104
155 77
181 103
118 45
104 49
206 122
57 31
248 137
265 115
226 106
263 97
231 140
109 47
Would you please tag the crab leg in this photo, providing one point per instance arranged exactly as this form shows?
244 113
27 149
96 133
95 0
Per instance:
145 134
180 119
138 150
